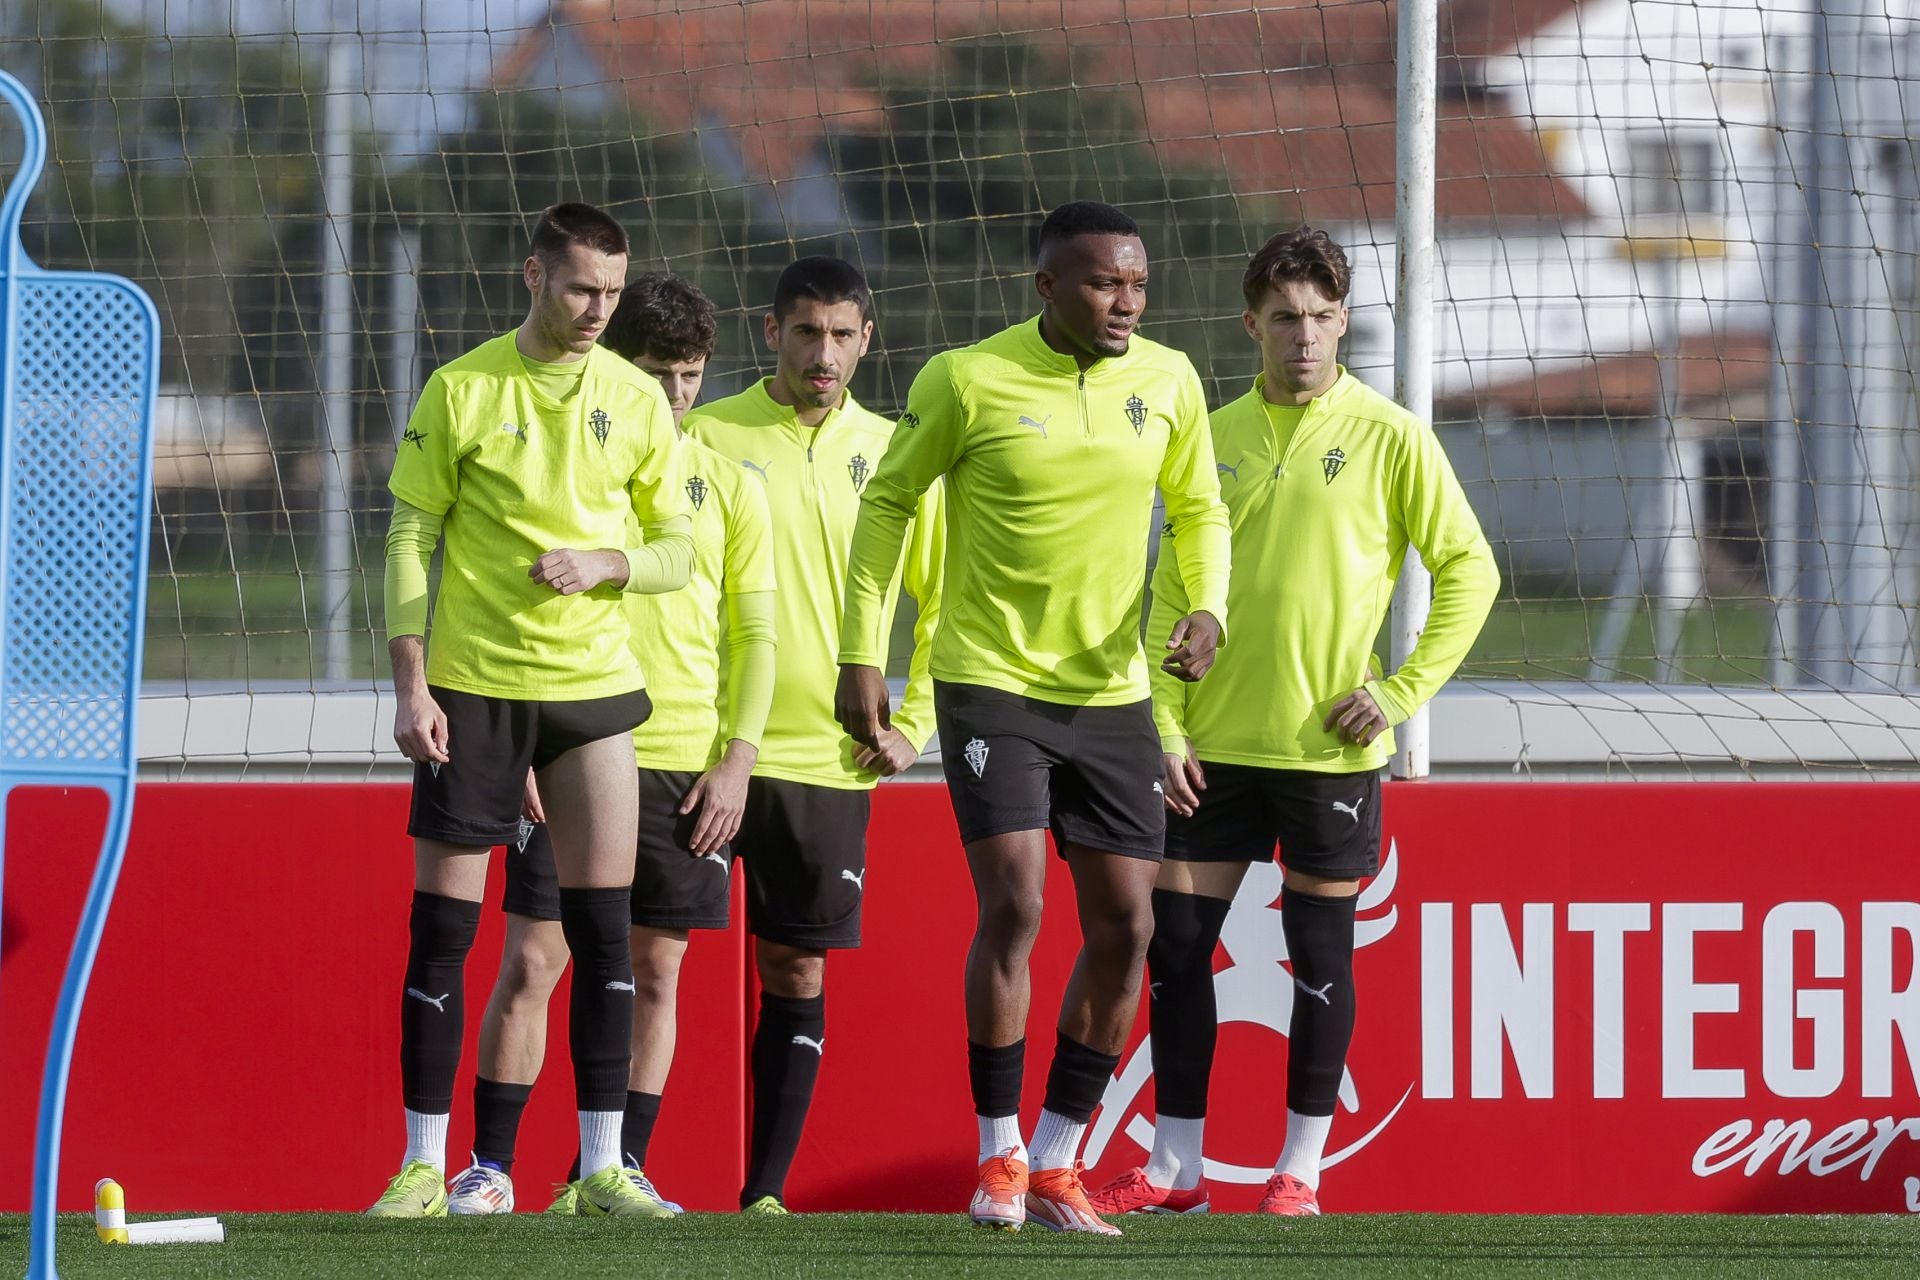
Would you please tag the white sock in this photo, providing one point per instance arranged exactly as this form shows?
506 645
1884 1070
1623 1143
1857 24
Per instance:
1056 1141
1306 1139
426 1139
599 1141
1176 1161
1000 1134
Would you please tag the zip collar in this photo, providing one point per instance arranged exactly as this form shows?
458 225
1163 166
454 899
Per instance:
1326 402
786 415
1044 359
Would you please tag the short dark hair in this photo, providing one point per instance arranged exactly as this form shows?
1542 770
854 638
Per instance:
1085 218
827 280
663 317
562 226
1304 253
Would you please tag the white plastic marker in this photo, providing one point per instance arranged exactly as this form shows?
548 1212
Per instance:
177 1231
111 1225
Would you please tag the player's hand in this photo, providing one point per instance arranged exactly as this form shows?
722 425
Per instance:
720 795
893 755
1192 645
420 729
1356 718
530 807
1182 779
860 705
570 572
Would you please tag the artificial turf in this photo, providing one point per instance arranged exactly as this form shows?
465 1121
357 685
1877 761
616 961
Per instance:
272 1246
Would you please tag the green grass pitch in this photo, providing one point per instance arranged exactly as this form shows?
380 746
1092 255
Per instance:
272 1246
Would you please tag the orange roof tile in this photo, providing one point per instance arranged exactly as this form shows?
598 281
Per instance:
1713 369
1283 97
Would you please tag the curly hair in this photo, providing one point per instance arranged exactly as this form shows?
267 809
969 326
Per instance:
663 317
1305 253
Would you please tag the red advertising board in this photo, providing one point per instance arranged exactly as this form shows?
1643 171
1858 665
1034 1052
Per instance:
1573 998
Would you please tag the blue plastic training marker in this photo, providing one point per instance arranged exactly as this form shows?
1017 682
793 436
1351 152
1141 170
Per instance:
79 367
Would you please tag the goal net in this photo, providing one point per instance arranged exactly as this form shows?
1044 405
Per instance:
1675 269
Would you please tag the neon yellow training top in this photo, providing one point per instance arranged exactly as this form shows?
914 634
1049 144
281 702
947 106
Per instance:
1050 475
813 477
678 636
1321 524
516 474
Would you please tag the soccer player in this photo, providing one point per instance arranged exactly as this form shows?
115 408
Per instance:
693 774
1329 483
534 454
802 437
1052 436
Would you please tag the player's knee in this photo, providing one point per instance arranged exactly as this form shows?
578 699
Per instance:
655 976
1011 921
530 971
791 973
1186 927
1319 934
1120 933
442 929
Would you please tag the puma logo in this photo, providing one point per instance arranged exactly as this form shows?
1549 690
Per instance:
439 1002
1351 810
1320 995
859 881
620 986
818 1046
717 859
759 467
1039 425
1221 468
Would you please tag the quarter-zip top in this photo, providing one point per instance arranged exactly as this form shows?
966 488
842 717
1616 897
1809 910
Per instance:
1050 472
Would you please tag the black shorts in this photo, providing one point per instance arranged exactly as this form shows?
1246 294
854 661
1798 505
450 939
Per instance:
1326 824
1091 775
805 851
475 798
672 889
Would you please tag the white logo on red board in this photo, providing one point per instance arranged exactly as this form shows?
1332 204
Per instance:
1255 988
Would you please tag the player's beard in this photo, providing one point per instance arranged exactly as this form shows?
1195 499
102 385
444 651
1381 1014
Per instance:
556 328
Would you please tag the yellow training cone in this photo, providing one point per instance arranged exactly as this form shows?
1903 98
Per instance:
110 1211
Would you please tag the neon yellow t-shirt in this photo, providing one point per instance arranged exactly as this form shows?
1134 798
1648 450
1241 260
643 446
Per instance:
515 475
1050 473
813 478
1322 518
677 635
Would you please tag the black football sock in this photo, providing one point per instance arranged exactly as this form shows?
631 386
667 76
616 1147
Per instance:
597 923
496 1120
1319 933
636 1127
1181 1011
1077 1078
995 1072
787 1048
433 1001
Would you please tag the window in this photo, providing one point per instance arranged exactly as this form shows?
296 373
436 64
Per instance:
1671 175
